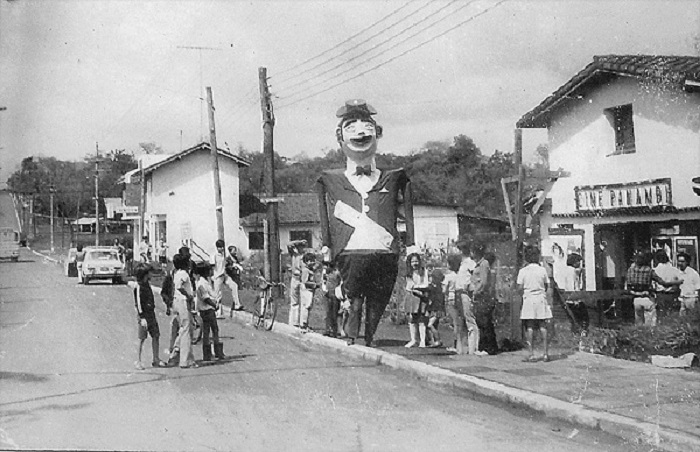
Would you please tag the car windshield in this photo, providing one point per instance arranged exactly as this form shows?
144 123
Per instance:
102 255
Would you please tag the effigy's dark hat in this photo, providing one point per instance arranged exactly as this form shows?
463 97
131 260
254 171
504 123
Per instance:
356 109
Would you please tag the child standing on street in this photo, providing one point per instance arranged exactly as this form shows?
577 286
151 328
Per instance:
343 310
533 283
453 304
206 305
146 311
331 280
416 300
308 287
436 307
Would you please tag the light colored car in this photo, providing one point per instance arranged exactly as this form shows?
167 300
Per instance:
101 262
70 265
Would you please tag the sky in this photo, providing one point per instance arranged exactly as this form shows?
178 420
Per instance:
80 75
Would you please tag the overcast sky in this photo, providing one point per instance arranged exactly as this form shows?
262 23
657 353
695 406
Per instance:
76 73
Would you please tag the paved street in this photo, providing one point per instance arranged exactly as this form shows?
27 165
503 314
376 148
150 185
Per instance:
68 382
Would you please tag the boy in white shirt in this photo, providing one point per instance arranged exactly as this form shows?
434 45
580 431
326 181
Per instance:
206 305
690 289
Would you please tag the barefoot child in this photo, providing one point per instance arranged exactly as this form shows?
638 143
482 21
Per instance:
145 309
453 303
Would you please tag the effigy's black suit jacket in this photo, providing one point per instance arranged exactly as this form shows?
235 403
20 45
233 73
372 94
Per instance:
381 205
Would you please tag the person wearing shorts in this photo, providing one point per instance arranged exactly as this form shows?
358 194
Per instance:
146 310
533 283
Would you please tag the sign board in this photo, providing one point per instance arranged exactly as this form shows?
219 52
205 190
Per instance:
646 194
269 200
131 216
127 209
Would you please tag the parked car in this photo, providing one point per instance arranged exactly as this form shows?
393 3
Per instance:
70 266
9 244
101 262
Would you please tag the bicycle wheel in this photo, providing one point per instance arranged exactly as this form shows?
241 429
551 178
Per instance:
267 320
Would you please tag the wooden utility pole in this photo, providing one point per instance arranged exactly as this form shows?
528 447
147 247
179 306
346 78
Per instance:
268 118
97 195
516 302
201 85
142 204
215 168
52 190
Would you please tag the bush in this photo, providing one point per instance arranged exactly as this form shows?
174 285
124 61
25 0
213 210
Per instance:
674 336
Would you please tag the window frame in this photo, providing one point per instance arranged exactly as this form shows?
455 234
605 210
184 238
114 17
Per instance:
621 118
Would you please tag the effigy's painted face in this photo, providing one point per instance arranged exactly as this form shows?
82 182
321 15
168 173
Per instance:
359 139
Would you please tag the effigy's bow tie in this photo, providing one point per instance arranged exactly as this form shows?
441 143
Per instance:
363 170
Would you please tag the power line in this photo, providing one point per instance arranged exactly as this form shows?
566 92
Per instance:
341 43
397 56
387 41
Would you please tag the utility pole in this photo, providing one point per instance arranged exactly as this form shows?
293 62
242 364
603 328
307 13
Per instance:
52 190
201 86
215 168
516 302
142 204
268 119
97 199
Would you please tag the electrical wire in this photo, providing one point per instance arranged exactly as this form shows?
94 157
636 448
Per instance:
342 42
460 24
339 56
387 41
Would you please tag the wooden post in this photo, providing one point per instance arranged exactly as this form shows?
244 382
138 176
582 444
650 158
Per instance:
142 206
218 203
516 302
269 172
51 192
97 199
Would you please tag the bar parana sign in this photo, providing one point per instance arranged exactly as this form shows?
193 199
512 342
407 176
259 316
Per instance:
635 195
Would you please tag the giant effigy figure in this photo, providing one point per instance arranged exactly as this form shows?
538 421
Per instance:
359 207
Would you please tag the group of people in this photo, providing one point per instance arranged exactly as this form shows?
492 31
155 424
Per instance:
661 289
190 289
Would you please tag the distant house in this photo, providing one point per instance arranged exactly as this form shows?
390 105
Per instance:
298 220
434 226
627 129
180 203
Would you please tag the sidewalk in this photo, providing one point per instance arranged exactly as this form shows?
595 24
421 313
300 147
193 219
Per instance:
637 401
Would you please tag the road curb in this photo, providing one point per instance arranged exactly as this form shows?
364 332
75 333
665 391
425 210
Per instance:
632 430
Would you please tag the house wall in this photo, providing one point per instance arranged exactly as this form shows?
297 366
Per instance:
182 193
435 226
666 125
581 141
285 231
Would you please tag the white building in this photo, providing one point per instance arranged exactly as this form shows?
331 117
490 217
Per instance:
627 129
180 202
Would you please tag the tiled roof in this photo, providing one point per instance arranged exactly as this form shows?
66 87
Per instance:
201 146
297 208
665 69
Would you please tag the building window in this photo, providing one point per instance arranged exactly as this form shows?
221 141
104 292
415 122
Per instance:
301 235
620 118
256 240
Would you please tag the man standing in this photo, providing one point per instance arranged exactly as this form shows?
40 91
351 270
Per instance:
359 206
690 289
665 294
144 250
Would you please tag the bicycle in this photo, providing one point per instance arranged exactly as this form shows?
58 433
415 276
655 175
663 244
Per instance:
266 305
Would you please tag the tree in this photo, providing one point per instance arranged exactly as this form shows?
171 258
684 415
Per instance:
150 147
